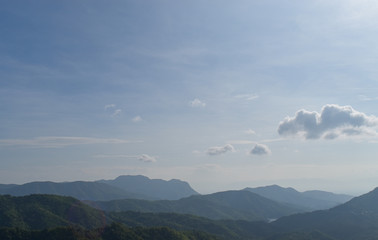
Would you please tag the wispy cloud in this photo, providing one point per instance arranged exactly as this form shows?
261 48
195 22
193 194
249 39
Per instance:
109 106
146 158
59 142
142 157
241 142
366 98
220 150
116 112
248 97
197 103
332 122
250 132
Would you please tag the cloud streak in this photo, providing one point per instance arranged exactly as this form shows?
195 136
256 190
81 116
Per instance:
142 157
332 122
146 158
248 97
60 142
213 151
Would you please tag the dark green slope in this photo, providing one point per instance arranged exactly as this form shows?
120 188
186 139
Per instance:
114 231
46 211
237 205
313 235
354 220
225 229
156 189
81 190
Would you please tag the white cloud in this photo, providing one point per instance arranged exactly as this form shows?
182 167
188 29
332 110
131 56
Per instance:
332 122
260 149
59 142
197 103
146 158
142 157
250 132
220 150
109 106
137 119
117 112
248 97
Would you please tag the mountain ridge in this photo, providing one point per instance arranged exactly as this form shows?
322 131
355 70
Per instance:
103 190
235 204
308 200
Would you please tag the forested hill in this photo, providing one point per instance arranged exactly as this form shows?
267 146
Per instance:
46 211
236 205
52 216
354 220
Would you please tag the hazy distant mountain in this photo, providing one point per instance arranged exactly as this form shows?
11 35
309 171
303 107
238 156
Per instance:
6 186
134 187
310 200
81 190
223 205
354 220
153 188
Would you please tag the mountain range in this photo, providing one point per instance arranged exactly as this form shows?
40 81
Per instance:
123 187
141 187
308 200
356 219
236 205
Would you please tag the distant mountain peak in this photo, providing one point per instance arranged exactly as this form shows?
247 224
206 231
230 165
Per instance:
154 188
309 200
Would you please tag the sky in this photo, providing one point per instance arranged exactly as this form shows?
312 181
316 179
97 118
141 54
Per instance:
221 94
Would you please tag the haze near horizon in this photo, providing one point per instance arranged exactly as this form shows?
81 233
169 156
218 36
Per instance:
223 95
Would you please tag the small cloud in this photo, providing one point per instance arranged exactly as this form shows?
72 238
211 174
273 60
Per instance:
146 158
109 106
332 122
248 97
250 132
137 119
197 103
260 149
116 112
220 150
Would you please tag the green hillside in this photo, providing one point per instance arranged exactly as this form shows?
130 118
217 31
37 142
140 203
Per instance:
354 220
236 205
47 211
111 232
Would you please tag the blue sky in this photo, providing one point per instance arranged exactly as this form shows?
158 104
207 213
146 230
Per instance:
222 94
